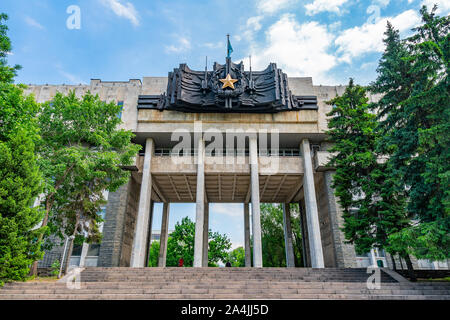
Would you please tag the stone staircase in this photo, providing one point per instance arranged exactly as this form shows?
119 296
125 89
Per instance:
225 283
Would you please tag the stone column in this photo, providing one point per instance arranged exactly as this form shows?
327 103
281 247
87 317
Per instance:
149 233
200 205
164 236
205 236
290 261
248 258
138 253
312 215
84 252
256 215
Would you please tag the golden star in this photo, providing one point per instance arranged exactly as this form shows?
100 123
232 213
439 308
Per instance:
228 82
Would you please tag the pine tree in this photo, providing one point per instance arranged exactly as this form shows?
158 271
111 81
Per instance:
372 205
414 122
20 179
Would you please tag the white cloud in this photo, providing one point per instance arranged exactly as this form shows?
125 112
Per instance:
383 3
73 79
299 49
324 5
443 5
254 23
214 45
272 6
359 40
125 10
183 45
33 23
228 209
252 26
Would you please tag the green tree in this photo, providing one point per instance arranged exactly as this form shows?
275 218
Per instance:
415 123
81 155
20 179
372 203
181 245
237 257
7 73
153 254
272 235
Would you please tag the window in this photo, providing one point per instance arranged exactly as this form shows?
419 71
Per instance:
120 103
94 250
77 250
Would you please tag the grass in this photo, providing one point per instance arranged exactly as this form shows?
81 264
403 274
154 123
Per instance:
446 279
43 279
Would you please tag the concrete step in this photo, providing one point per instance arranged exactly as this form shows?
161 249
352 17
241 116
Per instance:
216 296
225 283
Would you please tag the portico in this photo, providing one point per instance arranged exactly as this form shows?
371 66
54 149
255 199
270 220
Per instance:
251 177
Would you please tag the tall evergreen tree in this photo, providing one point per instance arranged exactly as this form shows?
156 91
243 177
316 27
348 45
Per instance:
20 179
415 123
372 205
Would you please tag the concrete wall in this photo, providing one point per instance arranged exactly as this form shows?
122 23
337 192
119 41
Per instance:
118 230
329 255
130 223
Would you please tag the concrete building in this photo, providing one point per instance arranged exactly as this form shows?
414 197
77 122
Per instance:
282 159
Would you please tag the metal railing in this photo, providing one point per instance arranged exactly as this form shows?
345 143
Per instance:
166 152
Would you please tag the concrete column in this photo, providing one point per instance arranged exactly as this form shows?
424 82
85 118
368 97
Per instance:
164 236
315 241
248 258
289 247
200 205
149 233
305 244
138 253
373 258
256 215
84 251
205 236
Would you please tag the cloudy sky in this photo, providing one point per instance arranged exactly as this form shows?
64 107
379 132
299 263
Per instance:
329 40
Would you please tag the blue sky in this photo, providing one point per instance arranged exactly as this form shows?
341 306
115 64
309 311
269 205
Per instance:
329 40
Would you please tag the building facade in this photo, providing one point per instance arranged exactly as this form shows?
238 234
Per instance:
228 136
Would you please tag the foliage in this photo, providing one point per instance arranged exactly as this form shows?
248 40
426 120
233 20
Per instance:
56 265
372 206
181 245
415 127
272 235
20 179
81 156
237 257
153 254
7 73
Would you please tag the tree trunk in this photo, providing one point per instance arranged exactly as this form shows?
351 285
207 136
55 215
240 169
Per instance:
411 273
70 250
394 266
401 262
68 255
48 206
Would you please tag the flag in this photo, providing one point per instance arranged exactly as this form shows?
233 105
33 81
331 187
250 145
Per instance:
229 49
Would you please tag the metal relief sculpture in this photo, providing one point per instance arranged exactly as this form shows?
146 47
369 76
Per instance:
228 88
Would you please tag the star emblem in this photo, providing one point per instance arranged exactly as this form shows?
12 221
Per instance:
228 82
